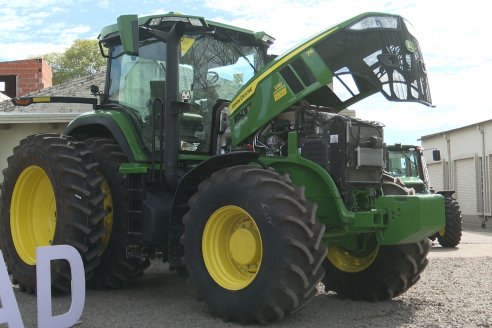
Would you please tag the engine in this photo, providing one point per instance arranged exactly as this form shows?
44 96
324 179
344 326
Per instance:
350 149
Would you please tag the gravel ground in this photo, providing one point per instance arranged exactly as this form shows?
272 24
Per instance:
452 292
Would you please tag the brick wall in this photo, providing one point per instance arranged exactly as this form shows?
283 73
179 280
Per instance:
31 74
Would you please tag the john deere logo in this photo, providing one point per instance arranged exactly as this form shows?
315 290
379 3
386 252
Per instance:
410 46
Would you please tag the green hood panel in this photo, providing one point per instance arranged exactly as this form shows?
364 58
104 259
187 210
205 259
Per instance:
370 53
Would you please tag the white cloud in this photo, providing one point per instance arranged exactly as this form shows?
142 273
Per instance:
29 5
9 20
29 49
69 35
103 3
28 28
41 14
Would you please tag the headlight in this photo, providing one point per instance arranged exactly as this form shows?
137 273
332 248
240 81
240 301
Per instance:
376 22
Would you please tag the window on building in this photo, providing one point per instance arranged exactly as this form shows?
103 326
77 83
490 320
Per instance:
8 85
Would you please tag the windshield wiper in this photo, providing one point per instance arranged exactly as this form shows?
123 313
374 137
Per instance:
244 56
241 53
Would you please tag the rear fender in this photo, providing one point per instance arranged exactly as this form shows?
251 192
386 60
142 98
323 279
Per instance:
109 124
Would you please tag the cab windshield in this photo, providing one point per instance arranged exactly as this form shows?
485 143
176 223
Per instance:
210 68
131 77
403 164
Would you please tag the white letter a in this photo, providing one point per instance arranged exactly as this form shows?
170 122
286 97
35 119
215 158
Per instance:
9 312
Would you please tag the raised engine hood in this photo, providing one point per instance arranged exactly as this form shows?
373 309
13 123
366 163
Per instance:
370 53
376 53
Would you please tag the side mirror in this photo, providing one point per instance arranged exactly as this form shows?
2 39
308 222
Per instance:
436 155
95 90
128 27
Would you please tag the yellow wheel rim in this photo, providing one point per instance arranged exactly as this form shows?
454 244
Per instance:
32 213
232 247
442 232
347 262
108 210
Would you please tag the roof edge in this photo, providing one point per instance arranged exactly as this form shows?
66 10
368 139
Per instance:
26 118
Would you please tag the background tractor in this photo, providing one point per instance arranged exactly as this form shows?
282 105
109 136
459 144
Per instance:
407 163
231 165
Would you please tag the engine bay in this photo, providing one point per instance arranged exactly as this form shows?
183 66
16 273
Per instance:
349 149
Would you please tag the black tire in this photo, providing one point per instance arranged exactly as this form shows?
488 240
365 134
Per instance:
74 203
388 272
115 270
290 242
454 224
394 270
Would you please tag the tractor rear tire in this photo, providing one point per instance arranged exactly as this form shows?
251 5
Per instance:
454 224
51 195
115 270
394 270
253 246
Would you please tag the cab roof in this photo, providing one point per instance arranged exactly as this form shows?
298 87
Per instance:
166 21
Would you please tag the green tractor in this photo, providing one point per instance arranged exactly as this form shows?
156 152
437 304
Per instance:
407 163
231 165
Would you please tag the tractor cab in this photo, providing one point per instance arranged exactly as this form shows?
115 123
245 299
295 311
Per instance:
408 164
175 58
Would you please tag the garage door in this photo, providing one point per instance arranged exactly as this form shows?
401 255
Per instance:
466 185
436 175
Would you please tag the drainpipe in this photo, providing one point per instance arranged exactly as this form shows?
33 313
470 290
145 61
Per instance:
450 171
484 176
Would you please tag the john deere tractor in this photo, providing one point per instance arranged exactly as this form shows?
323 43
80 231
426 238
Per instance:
231 165
407 163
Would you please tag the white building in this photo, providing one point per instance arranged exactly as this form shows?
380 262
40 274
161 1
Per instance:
466 167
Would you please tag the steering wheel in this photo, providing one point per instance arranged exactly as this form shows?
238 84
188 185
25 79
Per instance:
396 171
212 77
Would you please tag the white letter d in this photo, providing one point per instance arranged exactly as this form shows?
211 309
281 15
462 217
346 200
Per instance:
43 282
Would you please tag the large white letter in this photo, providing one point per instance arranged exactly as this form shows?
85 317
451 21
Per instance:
43 280
9 312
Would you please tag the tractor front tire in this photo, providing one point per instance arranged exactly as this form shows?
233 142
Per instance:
393 271
115 270
384 273
51 195
451 235
253 246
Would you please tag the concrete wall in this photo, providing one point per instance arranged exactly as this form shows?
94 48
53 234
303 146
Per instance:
11 134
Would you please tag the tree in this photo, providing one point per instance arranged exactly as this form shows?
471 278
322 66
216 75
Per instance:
81 59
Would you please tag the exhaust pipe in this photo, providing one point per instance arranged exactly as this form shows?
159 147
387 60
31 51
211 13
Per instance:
171 116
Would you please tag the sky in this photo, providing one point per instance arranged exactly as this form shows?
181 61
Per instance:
454 36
